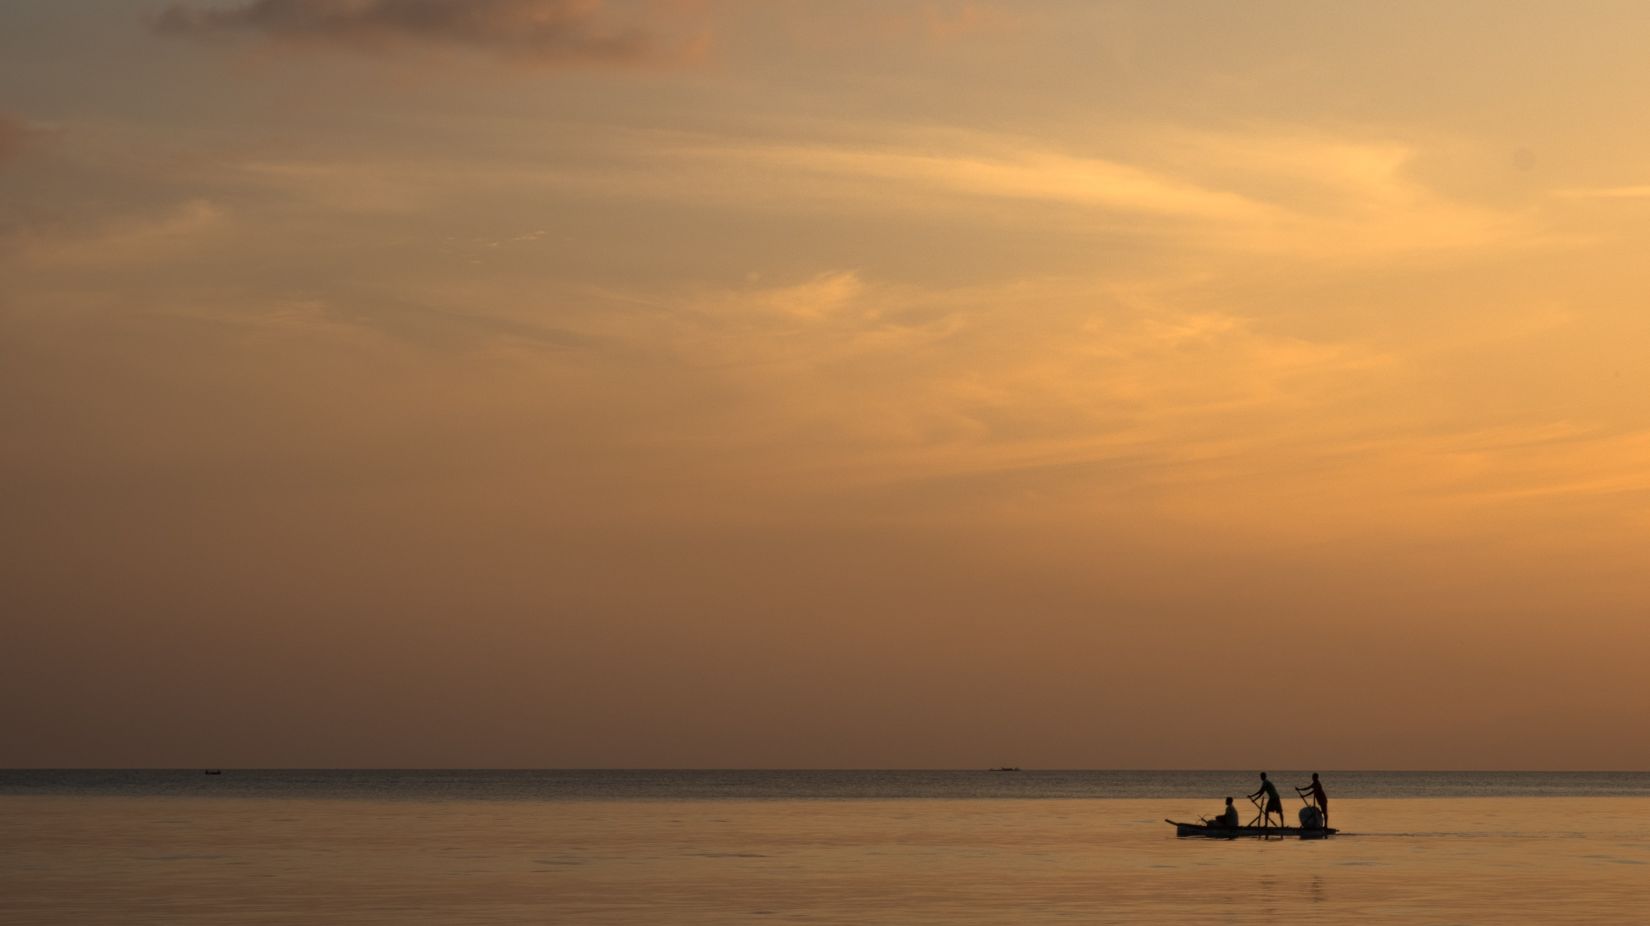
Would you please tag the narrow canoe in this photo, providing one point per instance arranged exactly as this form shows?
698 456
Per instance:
1233 832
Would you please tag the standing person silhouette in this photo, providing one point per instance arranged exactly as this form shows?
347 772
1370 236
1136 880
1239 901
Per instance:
1274 804
1318 797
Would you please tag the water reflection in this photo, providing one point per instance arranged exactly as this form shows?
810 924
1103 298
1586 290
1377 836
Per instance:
146 860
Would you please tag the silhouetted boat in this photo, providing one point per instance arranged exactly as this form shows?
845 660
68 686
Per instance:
1006 769
213 771
1233 832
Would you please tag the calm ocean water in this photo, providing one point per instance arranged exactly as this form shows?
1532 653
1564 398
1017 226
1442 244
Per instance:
645 847
672 784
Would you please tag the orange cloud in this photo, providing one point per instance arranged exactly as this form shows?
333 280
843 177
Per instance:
550 32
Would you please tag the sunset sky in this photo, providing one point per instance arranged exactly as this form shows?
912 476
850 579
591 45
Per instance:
872 383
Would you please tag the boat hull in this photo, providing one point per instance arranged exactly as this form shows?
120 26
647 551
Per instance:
1235 832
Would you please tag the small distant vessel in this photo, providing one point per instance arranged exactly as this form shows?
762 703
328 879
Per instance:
1234 832
1007 768
213 771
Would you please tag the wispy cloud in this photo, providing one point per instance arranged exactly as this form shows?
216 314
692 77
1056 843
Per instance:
1245 192
819 298
177 232
890 383
546 32
1028 175
1638 191
1272 192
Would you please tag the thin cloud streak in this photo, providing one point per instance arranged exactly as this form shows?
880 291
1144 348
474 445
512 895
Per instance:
1362 201
1640 191
1045 176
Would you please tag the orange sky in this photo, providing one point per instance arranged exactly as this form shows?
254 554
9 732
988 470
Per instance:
924 384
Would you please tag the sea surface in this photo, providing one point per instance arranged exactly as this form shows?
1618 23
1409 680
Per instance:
860 847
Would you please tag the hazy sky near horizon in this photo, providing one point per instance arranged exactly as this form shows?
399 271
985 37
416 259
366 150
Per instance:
765 383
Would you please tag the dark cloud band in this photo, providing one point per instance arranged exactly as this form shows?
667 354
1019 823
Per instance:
539 31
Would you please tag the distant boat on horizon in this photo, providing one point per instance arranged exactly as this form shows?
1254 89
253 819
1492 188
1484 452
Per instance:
213 771
1006 768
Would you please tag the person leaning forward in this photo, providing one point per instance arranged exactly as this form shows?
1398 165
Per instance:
1273 804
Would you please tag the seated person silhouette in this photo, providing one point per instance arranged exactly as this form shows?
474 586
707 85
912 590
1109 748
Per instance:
1228 817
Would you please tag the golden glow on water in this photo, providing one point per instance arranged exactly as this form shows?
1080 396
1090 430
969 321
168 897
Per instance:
200 861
